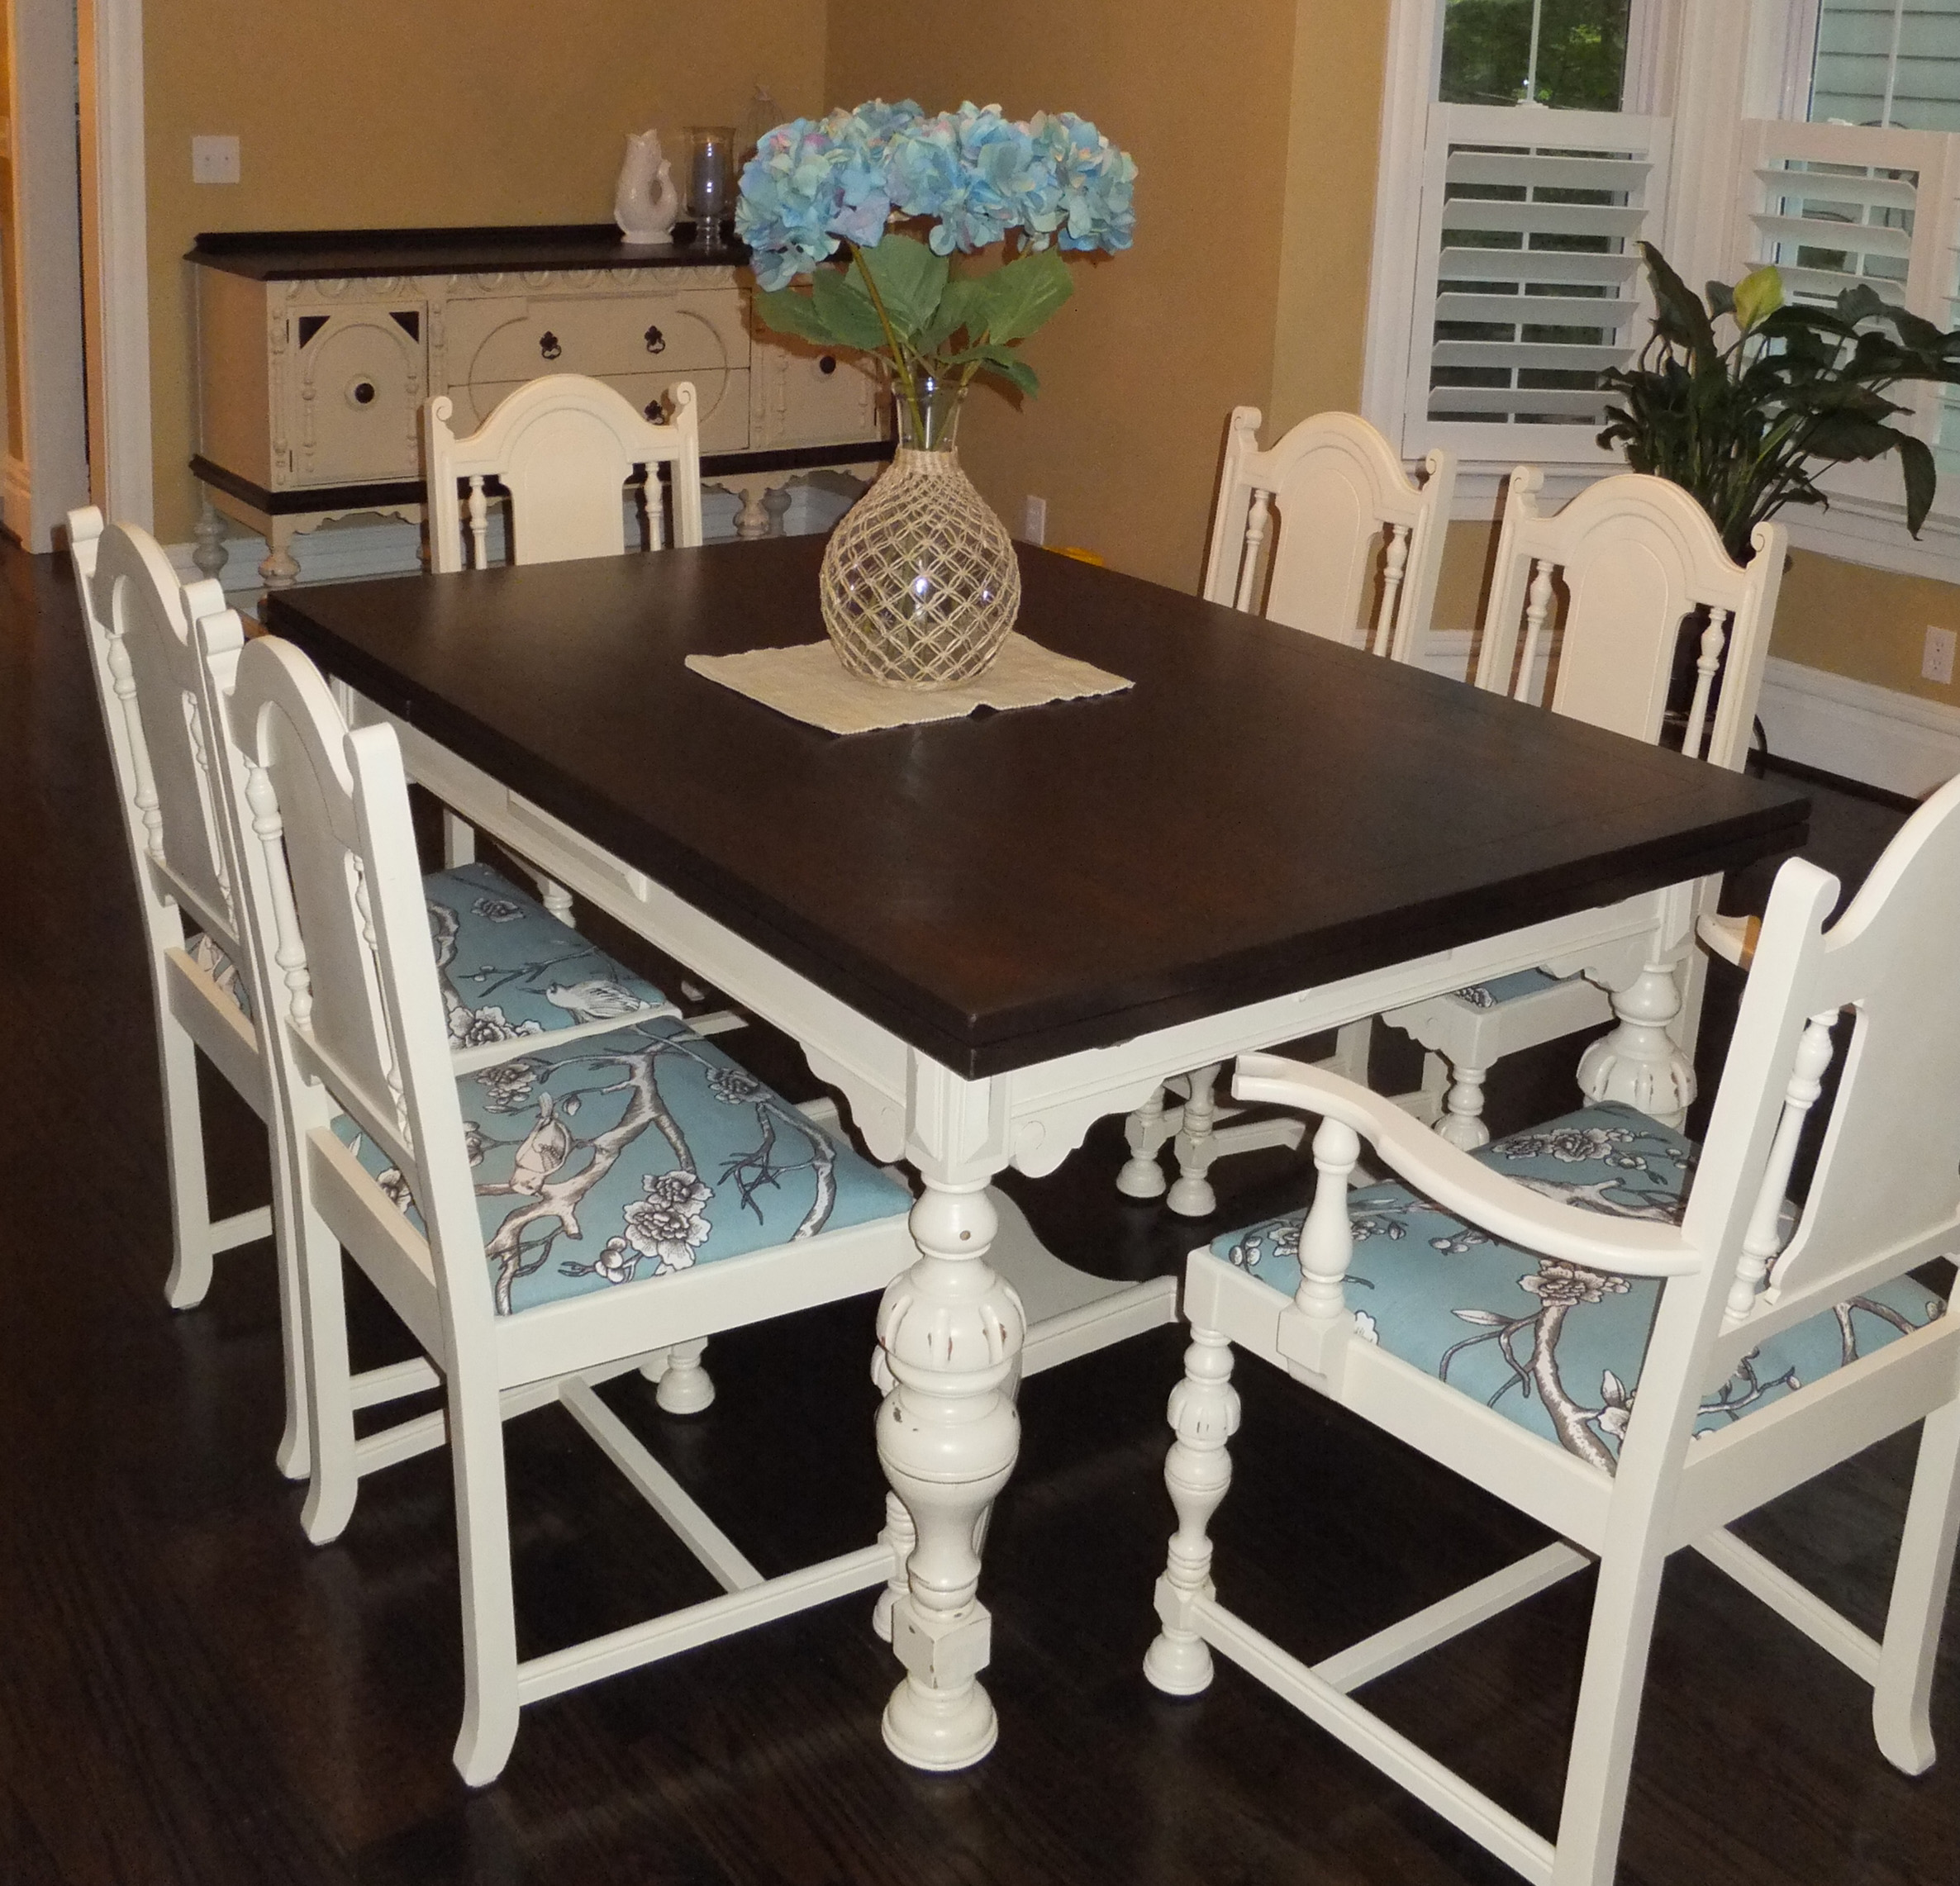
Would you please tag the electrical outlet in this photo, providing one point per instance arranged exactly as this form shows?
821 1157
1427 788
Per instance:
1033 520
214 161
1939 663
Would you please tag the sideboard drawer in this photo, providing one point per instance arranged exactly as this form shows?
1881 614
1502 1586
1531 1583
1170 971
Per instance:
607 335
722 400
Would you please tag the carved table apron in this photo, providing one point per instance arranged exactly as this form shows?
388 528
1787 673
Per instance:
989 933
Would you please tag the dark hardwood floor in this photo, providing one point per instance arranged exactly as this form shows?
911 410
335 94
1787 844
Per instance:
190 1693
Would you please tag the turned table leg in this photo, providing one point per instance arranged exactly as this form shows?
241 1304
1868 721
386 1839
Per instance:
1639 1063
949 1335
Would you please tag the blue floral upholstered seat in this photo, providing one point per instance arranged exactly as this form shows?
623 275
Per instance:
1502 989
507 967
1557 1347
635 1154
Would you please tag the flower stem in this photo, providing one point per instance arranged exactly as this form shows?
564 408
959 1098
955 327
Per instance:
895 346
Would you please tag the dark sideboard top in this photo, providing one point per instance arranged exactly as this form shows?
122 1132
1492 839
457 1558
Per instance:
336 255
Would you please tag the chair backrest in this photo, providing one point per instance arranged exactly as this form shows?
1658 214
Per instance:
1638 556
1348 516
564 447
147 677
1886 1192
342 958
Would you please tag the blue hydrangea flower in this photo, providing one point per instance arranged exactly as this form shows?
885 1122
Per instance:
814 184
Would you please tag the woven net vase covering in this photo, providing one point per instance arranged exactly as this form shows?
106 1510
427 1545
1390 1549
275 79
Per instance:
920 584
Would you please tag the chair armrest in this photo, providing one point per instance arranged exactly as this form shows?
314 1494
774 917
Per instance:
1734 938
1467 1186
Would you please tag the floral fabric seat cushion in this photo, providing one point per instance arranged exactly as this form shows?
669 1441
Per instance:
636 1154
1502 989
1557 1347
507 967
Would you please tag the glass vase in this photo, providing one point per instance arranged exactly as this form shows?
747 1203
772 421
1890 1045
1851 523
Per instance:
920 584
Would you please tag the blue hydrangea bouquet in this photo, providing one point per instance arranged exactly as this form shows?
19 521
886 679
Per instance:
828 199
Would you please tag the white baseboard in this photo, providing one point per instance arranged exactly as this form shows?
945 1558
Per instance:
1877 735
373 546
15 511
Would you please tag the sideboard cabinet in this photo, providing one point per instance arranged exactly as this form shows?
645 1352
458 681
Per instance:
316 349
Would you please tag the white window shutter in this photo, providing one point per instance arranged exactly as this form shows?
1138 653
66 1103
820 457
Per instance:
1529 279
1834 206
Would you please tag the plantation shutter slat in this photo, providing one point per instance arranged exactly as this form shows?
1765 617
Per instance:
1529 277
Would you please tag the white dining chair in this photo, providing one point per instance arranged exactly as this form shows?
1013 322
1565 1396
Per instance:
1326 533
540 1221
1631 1339
562 447
1637 556
511 969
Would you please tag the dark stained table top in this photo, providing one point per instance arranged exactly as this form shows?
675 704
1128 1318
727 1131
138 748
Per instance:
1262 812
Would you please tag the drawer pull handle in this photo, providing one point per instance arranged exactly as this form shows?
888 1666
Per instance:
828 364
656 341
360 393
548 346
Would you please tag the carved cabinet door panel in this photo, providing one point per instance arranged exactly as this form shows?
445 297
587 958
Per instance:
353 391
805 395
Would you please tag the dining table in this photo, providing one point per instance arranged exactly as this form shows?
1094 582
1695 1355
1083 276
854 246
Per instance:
988 933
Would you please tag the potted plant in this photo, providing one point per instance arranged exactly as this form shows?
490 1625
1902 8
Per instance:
920 584
1747 427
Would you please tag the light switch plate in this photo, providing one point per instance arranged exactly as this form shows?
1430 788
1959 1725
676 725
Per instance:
1939 663
1033 520
214 161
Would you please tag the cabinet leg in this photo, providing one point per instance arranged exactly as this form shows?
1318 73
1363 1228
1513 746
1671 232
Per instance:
211 555
280 569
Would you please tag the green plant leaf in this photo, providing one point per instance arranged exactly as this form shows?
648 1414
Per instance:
1678 312
910 279
1021 296
992 357
844 308
1720 297
783 310
1922 478
961 306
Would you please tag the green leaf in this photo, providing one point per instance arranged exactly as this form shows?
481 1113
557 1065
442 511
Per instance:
992 358
1720 297
783 310
961 306
1021 296
910 280
1678 312
846 308
1915 461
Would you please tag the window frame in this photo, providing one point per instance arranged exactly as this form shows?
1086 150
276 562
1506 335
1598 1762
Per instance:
1709 65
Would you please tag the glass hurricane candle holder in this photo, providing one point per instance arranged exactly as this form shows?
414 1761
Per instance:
711 180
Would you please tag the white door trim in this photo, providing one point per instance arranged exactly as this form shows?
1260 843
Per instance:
115 214
39 490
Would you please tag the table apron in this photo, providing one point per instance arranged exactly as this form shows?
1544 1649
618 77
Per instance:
960 1132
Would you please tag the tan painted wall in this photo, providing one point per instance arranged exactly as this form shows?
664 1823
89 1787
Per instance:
1139 371
375 113
1869 625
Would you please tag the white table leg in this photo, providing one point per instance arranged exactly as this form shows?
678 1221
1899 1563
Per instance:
950 1332
1638 1063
